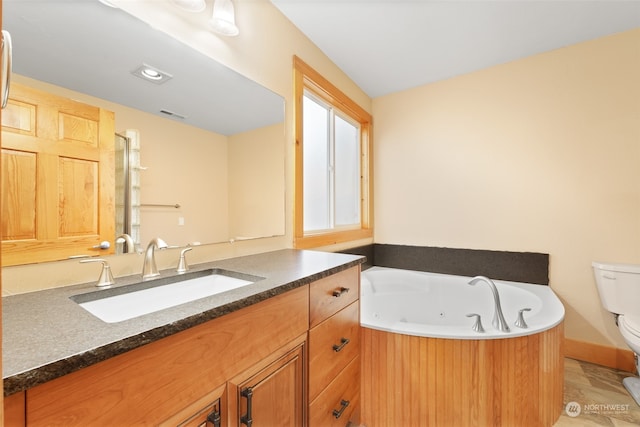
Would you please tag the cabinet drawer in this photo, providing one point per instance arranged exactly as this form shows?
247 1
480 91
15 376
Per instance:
343 391
332 345
329 295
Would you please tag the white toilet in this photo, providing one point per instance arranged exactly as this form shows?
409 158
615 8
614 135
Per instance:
619 289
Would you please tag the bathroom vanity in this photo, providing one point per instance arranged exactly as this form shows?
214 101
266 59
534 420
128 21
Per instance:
282 351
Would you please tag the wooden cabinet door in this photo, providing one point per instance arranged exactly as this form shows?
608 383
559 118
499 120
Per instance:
273 397
58 177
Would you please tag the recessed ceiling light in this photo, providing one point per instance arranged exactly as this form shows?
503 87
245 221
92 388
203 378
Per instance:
151 74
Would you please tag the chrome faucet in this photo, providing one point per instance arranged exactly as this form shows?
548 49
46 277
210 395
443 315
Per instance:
498 318
183 267
149 268
106 278
129 245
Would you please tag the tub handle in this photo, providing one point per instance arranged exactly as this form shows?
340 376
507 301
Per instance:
520 323
343 405
477 325
338 293
339 347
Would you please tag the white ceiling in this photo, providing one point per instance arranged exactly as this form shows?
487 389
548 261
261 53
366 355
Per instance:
90 48
387 46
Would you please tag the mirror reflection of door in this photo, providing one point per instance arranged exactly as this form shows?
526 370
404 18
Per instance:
57 178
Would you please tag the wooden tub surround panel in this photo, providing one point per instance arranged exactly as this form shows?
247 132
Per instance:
420 381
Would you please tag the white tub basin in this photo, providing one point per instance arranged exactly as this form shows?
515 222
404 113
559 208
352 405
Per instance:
118 304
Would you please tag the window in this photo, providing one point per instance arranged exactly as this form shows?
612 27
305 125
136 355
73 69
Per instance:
333 163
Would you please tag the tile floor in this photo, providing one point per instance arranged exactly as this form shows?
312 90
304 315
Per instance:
602 399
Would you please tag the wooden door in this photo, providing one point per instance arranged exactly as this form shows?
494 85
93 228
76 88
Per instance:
57 178
1 192
271 398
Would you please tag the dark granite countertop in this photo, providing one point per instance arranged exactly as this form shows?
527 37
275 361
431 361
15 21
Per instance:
47 335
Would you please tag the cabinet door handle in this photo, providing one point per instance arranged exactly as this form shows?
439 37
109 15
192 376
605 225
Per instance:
248 394
343 405
338 347
342 290
214 418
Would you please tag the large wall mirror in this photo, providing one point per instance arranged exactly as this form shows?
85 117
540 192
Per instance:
209 141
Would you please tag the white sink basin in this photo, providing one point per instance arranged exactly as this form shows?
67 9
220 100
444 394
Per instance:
148 297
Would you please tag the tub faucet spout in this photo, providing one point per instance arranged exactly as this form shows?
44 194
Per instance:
498 318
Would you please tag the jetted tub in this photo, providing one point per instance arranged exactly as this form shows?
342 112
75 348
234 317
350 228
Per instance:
436 305
426 366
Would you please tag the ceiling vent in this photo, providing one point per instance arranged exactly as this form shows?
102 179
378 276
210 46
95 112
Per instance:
172 114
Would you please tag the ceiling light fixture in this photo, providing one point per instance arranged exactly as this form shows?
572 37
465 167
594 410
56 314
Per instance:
108 3
194 6
223 20
151 74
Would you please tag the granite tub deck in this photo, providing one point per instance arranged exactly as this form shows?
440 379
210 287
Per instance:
47 335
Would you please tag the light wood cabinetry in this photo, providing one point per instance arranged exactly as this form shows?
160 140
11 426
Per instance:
58 175
151 384
205 412
14 410
273 396
270 364
334 348
324 408
270 393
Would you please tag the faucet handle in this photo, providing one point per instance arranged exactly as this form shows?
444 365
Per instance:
477 325
520 323
106 278
183 267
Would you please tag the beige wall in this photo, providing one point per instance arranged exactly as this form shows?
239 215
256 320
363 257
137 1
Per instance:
539 155
255 158
185 166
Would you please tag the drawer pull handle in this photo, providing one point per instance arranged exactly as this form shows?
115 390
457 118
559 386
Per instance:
338 347
339 293
214 419
248 394
343 404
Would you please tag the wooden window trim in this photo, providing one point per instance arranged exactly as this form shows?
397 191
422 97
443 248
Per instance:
306 77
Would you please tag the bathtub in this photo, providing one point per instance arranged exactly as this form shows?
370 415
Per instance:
424 365
436 305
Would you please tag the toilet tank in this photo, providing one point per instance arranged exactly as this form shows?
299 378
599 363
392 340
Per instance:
618 286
